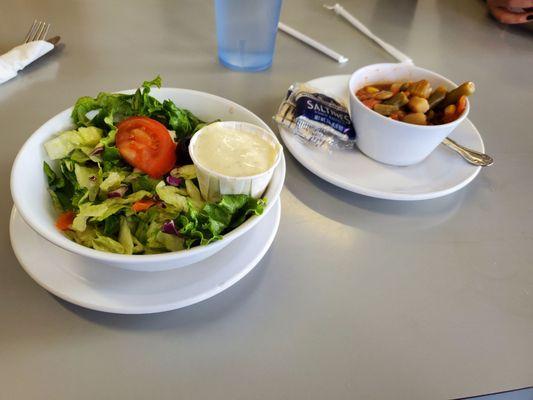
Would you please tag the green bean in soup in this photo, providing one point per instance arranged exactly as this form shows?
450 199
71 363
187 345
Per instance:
416 102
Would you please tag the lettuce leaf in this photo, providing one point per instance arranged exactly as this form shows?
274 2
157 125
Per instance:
82 107
55 182
143 182
185 172
194 193
112 181
250 208
63 185
99 212
62 145
105 243
99 239
92 237
79 156
180 120
207 225
125 237
112 160
171 196
111 225
109 107
113 107
84 238
145 225
158 241
88 178
169 242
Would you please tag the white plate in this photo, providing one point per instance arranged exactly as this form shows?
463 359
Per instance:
89 284
442 173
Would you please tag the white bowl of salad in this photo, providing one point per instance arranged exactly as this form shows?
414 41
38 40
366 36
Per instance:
111 179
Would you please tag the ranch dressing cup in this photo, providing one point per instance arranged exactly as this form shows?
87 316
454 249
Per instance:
234 158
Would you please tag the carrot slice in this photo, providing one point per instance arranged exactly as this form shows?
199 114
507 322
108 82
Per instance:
363 95
461 105
370 103
64 221
449 118
142 205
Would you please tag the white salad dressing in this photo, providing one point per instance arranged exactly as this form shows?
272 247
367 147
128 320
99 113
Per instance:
234 152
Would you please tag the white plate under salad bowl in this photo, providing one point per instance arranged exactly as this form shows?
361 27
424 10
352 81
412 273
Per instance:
29 186
441 173
82 281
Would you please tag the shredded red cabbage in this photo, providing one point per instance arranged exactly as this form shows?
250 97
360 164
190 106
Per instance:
173 181
119 192
170 228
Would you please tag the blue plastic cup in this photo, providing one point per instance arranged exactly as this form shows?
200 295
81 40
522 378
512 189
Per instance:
246 33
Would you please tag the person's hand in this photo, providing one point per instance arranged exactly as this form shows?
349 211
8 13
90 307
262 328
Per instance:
511 11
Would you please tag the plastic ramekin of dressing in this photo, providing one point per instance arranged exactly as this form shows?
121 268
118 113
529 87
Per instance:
234 158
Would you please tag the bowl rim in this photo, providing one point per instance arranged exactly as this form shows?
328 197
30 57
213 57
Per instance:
353 97
269 133
114 258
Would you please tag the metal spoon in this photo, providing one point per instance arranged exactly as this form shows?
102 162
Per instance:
472 156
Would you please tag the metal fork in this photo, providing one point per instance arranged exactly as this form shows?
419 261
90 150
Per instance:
38 31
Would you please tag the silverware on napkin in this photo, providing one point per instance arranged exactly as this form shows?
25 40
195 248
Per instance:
35 46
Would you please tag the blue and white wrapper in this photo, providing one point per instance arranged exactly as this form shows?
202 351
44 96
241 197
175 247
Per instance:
316 118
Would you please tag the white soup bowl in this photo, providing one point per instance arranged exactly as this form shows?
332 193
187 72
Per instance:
385 139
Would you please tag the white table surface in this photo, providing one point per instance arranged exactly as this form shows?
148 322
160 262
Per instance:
358 298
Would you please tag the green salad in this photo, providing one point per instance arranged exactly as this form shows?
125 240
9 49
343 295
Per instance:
122 180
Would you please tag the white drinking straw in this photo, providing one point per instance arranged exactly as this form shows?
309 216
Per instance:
393 51
311 42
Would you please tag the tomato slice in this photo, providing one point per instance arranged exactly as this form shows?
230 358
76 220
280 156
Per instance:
145 144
